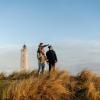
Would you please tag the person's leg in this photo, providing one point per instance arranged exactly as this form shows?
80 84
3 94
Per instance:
53 66
43 67
49 67
40 68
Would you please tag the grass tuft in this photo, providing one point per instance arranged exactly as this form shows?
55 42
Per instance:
58 85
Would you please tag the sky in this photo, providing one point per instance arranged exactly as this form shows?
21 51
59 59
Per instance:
72 26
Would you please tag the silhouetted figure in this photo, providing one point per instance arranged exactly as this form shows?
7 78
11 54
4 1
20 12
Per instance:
41 57
52 58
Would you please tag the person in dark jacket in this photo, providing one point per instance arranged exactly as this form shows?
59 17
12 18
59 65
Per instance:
51 58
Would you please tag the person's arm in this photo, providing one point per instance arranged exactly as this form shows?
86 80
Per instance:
38 52
45 45
39 56
47 56
55 57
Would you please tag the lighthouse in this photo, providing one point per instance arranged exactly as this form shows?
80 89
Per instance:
24 59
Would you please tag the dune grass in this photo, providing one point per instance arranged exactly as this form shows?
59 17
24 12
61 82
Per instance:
58 85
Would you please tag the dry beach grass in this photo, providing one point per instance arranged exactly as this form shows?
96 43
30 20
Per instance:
58 85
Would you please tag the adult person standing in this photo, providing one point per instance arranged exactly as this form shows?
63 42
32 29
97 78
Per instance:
52 58
41 57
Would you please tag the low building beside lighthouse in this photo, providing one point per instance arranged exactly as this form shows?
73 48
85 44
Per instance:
24 66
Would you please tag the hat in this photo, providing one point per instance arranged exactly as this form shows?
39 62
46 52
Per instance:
41 44
49 46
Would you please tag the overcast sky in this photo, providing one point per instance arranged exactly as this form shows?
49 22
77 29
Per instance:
72 26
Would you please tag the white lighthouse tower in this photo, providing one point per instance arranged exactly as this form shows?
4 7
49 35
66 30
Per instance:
24 59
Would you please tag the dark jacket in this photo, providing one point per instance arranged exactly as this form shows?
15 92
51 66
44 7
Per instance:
51 56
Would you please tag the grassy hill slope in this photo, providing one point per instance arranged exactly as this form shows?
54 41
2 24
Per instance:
58 85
